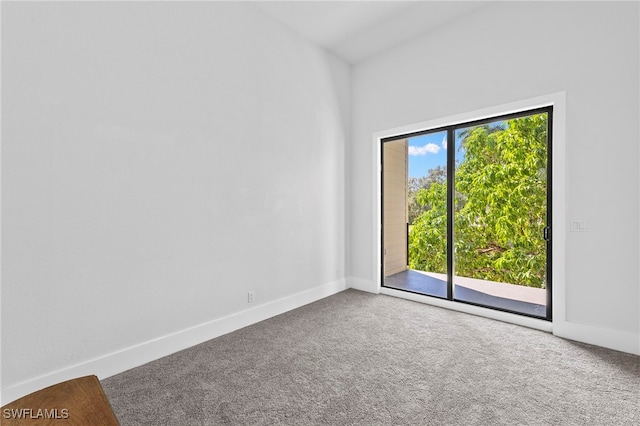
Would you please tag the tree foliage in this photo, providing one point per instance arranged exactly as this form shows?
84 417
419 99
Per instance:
500 206
436 175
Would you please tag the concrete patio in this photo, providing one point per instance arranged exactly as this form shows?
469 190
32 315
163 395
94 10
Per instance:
509 297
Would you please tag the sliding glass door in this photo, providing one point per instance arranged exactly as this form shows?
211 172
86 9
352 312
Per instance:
477 208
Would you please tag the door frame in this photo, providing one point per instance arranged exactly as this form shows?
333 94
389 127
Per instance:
558 197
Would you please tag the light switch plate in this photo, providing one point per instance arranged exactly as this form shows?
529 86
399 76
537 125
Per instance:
578 226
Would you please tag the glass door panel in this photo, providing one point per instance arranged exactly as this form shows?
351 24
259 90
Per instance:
500 214
423 209
427 228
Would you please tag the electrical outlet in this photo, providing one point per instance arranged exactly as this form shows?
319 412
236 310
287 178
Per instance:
251 296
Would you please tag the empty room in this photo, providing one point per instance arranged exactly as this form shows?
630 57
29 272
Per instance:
320 212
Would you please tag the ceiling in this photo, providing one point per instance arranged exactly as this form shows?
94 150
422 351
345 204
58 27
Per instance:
355 30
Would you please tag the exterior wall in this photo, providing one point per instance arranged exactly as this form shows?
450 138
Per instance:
395 171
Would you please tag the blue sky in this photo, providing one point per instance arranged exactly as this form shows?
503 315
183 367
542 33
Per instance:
426 152
430 150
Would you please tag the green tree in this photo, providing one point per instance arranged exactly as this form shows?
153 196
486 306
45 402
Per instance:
500 206
428 235
436 175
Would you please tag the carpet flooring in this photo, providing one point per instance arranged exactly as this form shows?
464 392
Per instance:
361 359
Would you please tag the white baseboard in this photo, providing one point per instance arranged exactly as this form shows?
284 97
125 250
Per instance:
607 338
362 284
134 356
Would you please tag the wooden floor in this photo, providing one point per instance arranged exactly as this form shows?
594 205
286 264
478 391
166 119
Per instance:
509 297
79 401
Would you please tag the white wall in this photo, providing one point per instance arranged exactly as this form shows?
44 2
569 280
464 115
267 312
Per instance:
159 161
504 53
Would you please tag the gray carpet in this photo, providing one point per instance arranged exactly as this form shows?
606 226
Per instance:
362 359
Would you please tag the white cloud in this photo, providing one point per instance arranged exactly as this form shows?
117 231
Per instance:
430 148
444 142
